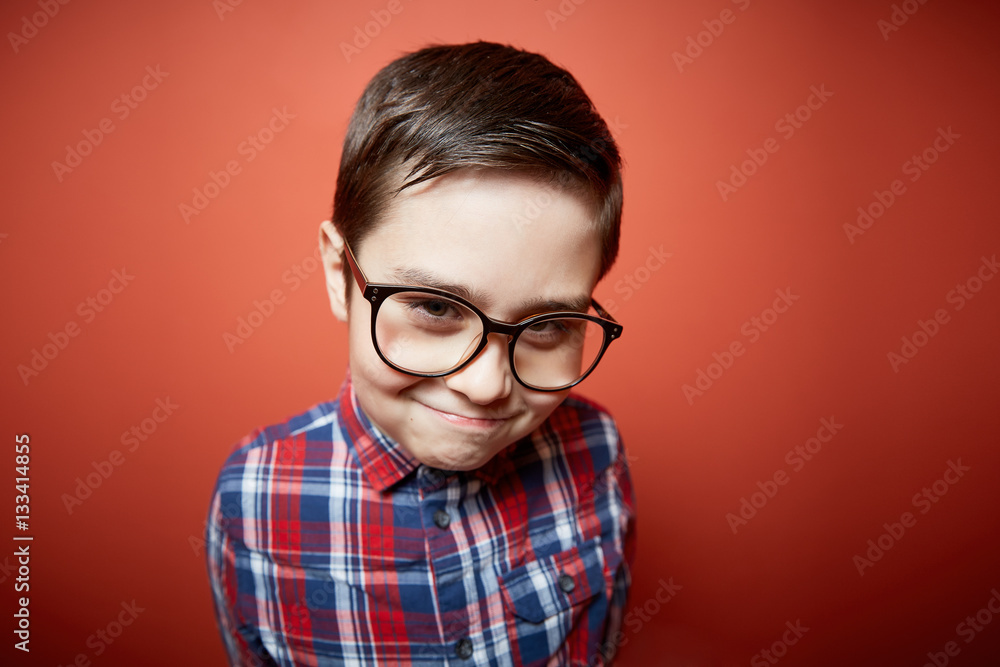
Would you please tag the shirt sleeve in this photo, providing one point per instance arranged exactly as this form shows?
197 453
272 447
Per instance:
240 635
613 635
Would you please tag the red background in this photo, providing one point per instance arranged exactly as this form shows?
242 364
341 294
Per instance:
137 536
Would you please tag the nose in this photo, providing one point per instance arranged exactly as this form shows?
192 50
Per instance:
488 377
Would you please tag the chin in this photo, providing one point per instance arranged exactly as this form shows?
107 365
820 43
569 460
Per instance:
457 456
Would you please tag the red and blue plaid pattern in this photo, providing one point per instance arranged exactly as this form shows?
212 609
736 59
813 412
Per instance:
328 544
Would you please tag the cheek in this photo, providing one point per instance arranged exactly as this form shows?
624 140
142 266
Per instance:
541 404
367 368
365 362
369 371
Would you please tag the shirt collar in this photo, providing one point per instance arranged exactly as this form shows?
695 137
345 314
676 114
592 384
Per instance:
382 459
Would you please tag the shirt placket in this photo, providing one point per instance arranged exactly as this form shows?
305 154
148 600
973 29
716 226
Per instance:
440 497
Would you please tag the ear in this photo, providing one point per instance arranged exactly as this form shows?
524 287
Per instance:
331 248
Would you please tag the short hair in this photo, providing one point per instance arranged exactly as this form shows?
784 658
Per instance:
478 105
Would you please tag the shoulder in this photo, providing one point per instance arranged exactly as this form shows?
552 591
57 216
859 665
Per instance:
588 410
313 428
585 428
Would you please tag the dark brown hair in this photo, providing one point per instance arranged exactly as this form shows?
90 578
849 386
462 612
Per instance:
478 105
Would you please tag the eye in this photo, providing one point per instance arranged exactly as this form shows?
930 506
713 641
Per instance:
434 310
435 307
548 326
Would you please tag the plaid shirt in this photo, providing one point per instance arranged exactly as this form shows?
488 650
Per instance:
328 544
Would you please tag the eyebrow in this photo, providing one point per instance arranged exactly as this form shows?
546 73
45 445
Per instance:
531 306
579 304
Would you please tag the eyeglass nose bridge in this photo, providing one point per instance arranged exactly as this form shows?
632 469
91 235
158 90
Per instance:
493 327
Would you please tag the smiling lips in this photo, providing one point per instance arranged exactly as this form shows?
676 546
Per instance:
468 421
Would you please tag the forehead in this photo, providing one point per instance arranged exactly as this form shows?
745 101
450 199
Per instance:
505 239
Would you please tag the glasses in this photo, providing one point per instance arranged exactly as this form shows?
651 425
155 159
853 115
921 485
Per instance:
427 332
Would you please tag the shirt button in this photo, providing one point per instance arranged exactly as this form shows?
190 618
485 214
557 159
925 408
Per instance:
441 519
566 583
463 649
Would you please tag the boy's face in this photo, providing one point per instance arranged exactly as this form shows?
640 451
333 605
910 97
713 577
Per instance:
506 238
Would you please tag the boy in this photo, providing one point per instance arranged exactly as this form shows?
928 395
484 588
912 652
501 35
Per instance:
454 505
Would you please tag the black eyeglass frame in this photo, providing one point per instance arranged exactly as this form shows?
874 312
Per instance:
377 293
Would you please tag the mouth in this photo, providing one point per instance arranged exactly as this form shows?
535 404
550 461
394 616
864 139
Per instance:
466 421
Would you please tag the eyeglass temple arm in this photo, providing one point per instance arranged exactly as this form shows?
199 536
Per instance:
359 275
600 311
